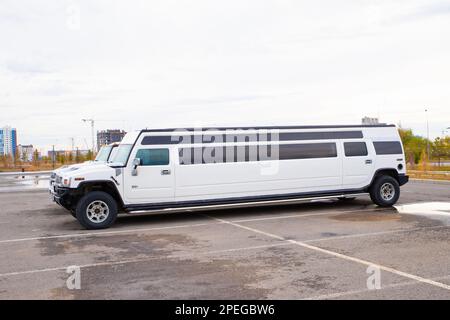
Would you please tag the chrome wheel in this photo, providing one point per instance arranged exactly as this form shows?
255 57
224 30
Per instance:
97 211
387 191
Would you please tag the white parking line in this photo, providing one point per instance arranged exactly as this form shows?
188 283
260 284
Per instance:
340 255
353 292
126 231
307 215
101 233
380 233
122 262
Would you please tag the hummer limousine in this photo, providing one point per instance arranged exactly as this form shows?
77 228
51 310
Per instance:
209 168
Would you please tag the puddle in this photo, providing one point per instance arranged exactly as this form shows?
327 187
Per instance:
425 208
18 184
433 210
368 216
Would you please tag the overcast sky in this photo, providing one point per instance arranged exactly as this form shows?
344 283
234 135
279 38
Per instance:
138 63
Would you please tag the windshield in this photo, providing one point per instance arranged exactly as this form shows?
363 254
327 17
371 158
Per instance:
112 154
122 153
103 154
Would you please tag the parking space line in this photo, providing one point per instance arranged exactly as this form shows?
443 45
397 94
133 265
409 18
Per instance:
339 255
114 232
389 286
308 215
101 233
368 234
122 262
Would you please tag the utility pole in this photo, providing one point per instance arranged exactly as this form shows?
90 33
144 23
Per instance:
92 121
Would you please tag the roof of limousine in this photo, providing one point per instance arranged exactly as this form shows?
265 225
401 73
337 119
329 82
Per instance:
383 125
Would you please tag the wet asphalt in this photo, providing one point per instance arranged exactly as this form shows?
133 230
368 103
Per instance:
320 250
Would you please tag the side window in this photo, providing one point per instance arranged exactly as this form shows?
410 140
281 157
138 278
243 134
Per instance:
355 149
153 157
388 147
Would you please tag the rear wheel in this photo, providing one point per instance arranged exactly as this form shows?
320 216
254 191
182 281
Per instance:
385 191
96 210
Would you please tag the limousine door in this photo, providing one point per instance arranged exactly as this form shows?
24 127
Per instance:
151 180
359 163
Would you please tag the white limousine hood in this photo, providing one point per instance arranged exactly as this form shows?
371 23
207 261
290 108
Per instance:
89 173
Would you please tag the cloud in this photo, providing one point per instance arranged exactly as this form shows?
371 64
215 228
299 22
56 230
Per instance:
175 63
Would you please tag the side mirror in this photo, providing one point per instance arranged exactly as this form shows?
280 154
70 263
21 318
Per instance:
136 164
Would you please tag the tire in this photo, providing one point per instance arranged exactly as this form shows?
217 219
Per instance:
96 210
385 191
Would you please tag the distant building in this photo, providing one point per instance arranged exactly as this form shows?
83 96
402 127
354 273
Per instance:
26 152
370 121
8 141
109 136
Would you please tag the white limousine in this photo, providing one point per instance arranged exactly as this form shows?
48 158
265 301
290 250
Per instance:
180 169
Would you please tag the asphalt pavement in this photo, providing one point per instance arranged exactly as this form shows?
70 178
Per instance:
318 250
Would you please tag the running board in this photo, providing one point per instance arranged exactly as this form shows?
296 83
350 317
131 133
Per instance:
243 204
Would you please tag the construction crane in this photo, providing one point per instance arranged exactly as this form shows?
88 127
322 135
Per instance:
92 121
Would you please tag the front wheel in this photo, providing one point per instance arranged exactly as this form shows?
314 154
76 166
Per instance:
385 191
96 210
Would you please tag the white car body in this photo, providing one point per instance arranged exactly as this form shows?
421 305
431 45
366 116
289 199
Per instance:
231 166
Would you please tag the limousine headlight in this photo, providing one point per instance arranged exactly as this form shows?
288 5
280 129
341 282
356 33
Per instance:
66 182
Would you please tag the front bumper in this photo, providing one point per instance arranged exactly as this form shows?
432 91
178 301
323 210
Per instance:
403 179
60 195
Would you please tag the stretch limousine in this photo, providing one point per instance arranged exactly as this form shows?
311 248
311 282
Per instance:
179 169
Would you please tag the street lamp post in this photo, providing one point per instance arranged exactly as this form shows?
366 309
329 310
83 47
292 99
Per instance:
428 136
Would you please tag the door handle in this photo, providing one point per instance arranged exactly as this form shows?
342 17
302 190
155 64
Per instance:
165 172
369 161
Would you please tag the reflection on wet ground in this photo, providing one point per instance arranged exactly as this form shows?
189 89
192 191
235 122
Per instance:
433 210
8 184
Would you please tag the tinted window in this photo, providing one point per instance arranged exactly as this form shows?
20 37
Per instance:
388 147
307 151
251 137
320 135
355 149
153 157
202 155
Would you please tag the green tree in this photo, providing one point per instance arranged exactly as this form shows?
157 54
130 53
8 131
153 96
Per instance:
36 161
414 145
440 148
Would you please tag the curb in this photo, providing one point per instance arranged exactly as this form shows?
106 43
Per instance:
430 180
